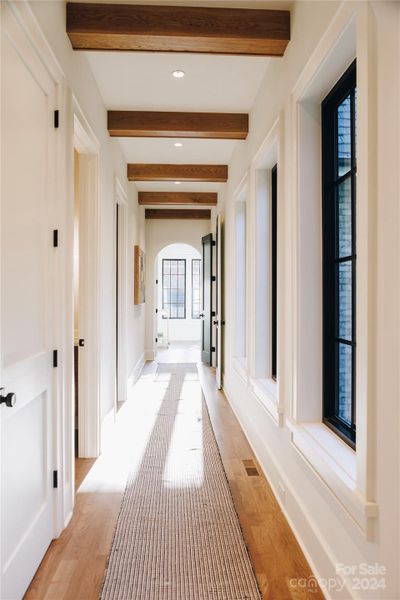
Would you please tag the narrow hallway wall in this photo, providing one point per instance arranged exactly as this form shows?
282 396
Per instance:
338 524
51 17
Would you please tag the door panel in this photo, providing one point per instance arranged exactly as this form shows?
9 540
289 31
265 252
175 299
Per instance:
206 337
218 319
28 150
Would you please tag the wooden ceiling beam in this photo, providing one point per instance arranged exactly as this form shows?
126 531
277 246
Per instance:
132 27
131 123
179 213
177 198
165 172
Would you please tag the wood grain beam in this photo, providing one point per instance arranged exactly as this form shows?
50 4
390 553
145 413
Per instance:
165 172
224 126
178 29
177 198
179 213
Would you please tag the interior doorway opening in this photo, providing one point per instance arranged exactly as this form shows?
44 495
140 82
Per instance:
121 291
178 295
76 302
86 289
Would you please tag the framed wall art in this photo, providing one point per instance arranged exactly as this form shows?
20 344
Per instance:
139 276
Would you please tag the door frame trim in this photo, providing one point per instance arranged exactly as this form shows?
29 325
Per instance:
121 199
204 240
89 420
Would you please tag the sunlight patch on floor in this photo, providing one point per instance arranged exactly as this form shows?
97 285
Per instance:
127 441
184 465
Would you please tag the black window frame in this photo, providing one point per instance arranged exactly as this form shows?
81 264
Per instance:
196 260
274 254
164 275
331 179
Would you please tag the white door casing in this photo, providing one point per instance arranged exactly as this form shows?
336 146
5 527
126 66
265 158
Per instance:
121 200
87 145
219 311
29 97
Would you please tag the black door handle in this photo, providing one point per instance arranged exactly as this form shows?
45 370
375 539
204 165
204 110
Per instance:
9 400
81 343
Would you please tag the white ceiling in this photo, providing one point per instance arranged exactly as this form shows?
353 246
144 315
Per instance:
143 81
153 150
212 83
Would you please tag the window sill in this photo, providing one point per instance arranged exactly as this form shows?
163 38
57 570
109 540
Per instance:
240 365
335 462
266 392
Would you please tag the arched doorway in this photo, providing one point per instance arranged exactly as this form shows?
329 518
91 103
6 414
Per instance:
178 303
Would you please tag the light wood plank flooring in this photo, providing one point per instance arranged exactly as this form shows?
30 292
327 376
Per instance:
74 565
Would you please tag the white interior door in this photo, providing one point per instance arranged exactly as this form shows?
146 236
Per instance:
28 96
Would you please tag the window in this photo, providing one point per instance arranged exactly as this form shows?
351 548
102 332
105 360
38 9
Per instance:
339 255
273 270
196 288
174 288
241 279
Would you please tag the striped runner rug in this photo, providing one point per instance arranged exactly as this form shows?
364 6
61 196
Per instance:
177 535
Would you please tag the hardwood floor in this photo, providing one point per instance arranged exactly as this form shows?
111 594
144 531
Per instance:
277 558
74 565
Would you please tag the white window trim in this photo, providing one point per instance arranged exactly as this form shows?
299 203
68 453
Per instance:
334 461
352 482
241 362
266 390
266 393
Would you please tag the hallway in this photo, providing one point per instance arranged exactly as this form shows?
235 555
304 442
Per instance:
75 564
200 291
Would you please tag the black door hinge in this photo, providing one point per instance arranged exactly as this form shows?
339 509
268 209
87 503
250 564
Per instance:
214 242
55 358
213 313
212 348
55 479
213 278
56 119
55 238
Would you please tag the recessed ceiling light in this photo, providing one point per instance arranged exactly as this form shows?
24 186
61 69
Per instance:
178 74
178 144
177 183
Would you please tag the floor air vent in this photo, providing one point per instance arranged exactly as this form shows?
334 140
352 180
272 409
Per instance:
251 468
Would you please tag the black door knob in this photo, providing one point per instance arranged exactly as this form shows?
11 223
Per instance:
9 400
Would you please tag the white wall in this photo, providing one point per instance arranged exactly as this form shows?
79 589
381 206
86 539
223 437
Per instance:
337 517
51 17
159 234
187 329
81 85
136 313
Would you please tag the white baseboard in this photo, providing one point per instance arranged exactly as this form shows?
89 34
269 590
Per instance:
318 556
68 519
137 369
